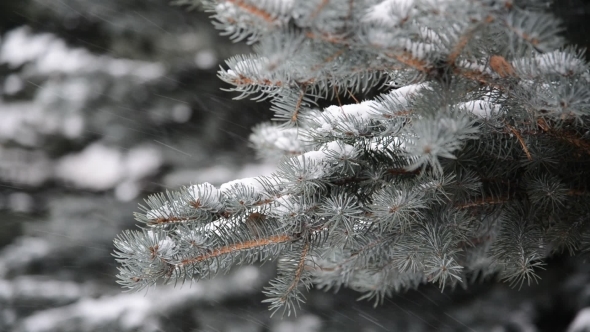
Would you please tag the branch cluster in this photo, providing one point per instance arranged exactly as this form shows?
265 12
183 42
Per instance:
472 162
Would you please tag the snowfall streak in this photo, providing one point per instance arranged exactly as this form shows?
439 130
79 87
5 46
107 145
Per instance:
238 247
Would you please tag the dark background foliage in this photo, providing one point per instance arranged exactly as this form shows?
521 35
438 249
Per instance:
89 87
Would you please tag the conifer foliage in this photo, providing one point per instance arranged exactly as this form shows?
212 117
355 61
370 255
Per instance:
473 162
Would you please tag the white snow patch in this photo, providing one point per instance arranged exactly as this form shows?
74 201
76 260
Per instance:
339 148
253 183
582 321
430 35
35 289
142 161
13 84
360 111
18 118
556 62
474 66
269 137
346 115
73 126
22 166
205 59
20 47
405 93
248 66
166 248
207 194
313 163
165 211
314 160
481 108
97 167
309 323
286 144
397 100
197 190
326 127
22 252
417 49
46 54
283 206
7 291
127 191
139 311
389 13
312 156
181 113
20 202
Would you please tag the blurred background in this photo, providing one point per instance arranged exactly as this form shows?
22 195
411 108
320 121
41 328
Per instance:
105 102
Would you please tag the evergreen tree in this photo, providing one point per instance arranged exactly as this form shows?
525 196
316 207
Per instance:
471 163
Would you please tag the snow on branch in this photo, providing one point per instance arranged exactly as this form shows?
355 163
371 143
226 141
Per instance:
455 158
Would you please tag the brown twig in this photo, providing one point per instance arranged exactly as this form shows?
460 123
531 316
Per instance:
246 245
327 38
409 60
337 96
253 10
168 220
501 67
483 202
244 80
520 140
352 96
465 38
298 272
568 137
298 105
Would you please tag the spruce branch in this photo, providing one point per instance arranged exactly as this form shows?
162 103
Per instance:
284 292
520 140
471 161
565 135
